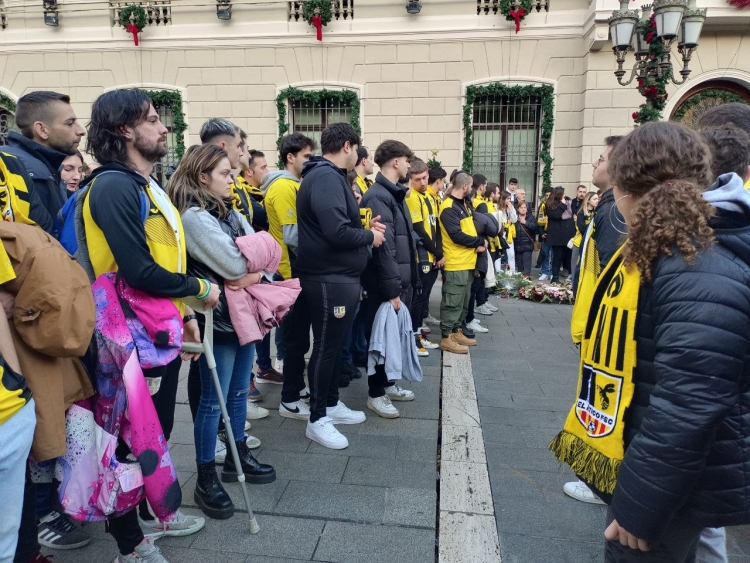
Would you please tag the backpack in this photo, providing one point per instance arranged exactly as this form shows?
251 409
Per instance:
67 217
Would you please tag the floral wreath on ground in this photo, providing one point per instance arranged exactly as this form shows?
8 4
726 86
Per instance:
515 11
653 89
515 284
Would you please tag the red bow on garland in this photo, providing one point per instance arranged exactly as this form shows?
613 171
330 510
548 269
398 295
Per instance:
517 15
317 23
132 28
740 3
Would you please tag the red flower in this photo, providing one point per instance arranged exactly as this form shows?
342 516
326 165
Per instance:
636 115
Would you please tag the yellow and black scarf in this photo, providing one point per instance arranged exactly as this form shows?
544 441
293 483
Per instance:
592 441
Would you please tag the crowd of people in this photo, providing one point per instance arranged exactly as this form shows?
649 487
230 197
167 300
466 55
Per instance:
319 247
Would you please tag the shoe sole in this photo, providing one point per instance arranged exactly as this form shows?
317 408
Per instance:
256 399
214 513
232 477
267 381
255 416
400 399
326 445
383 415
66 547
423 355
335 421
586 500
156 534
294 415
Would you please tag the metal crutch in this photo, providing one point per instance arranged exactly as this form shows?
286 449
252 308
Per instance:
206 348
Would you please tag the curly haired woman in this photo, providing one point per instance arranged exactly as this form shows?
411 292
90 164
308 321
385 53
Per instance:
661 425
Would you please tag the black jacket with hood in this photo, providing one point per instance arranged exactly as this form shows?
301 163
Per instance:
687 430
43 165
332 242
393 267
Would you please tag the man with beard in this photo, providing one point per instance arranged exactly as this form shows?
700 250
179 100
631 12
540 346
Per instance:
391 273
127 138
50 132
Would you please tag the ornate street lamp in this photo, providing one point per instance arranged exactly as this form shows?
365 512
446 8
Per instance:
51 16
651 38
224 9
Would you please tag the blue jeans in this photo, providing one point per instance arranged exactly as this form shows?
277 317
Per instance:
546 261
16 434
264 353
233 364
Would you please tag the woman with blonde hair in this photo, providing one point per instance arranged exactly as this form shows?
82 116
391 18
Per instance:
201 191
660 428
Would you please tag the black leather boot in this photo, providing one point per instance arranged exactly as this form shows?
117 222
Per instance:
255 472
210 496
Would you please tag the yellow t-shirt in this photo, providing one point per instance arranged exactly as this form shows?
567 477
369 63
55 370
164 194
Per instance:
241 198
457 257
422 212
747 184
281 207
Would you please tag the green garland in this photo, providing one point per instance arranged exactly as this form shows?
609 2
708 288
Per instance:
7 103
346 97
546 94
173 101
308 10
653 88
138 12
724 95
506 7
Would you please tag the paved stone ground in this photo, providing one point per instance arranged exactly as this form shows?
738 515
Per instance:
374 501
525 377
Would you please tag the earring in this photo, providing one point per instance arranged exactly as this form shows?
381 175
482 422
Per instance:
614 209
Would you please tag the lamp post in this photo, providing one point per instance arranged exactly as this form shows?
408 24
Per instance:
651 37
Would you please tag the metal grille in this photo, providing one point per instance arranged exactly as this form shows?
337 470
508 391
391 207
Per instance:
342 9
506 140
7 124
311 118
158 12
162 168
487 7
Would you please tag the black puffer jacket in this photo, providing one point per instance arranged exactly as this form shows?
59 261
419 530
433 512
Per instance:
393 267
487 227
607 221
524 241
688 426
559 230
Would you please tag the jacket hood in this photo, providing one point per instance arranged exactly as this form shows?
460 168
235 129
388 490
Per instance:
116 167
271 177
731 223
319 162
51 158
398 191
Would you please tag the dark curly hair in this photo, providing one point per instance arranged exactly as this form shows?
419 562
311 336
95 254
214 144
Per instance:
667 166
109 114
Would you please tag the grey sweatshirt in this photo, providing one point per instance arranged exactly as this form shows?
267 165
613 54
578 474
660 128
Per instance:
210 245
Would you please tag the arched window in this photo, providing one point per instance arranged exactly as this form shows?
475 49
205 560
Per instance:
7 124
705 96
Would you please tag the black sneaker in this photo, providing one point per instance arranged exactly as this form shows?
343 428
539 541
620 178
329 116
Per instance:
57 531
468 333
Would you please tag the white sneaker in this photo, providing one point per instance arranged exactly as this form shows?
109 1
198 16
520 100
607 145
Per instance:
430 320
427 344
579 491
252 442
422 352
178 525
396 393
324 433
278 365
304 395
491 307
382 406
545 277
341 414
220 449
486 310
476 327
145 552
298 409
424 329
255 412
248 425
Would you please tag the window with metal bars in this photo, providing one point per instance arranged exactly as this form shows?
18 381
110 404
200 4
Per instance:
7 124
487 7
310 118
506 140
166 165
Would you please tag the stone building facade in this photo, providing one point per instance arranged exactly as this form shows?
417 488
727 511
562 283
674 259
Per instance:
410 73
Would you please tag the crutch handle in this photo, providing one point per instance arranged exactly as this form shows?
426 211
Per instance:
192 347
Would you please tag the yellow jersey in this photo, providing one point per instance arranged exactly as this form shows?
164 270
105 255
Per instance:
423 210
281 207
458 257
